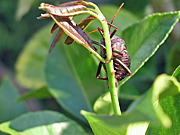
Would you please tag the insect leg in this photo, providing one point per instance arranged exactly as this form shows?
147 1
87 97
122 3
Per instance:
113 33
101 32
99 70
101 45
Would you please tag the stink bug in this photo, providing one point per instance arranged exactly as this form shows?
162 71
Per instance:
121 58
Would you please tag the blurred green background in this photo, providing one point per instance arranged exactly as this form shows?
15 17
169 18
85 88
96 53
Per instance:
18 23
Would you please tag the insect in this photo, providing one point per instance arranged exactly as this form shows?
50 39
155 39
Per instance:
120 56
61 15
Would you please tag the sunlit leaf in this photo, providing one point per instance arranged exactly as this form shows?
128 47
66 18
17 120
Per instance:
144 38
103 105
23 7
42 122
69 71
75 69
31 61
146 109
176 73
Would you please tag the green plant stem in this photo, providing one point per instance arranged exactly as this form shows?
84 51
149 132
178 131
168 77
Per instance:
109 65
110 70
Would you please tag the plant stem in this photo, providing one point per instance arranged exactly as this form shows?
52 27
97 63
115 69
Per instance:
110 70
109 65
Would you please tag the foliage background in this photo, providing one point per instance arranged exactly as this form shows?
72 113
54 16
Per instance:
17 26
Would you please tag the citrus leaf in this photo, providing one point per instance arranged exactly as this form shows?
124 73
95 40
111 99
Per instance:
144 38
23 7
143 43
103 105
42 122
41 93
70 73
146 109
4 127
31 62
172 58
170 106
176 73
8 108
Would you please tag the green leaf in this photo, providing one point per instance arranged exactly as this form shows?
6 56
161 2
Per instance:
42 93
171 107
103 105
31 62
172 57
146 109
23 7
176 73
42 122
70 73
9 109
4 127
144 38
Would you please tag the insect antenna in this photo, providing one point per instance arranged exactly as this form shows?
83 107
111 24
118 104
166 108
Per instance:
107 21
115 15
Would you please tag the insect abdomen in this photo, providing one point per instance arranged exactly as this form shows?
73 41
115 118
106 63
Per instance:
120 72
